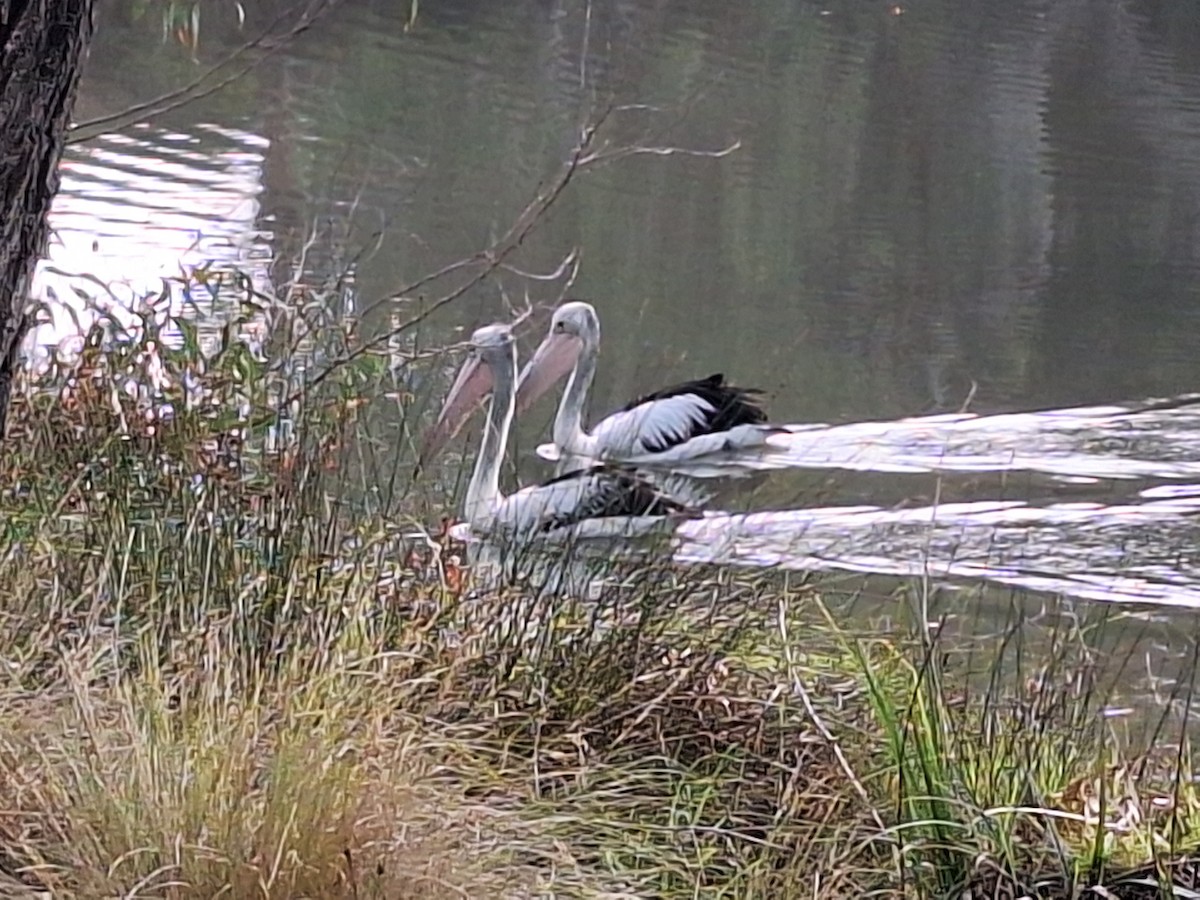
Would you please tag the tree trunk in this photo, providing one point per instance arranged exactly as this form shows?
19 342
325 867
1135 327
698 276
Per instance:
42 45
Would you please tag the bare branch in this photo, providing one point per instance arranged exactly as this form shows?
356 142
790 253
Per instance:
192 91
487 261
567 262
602 157
494 258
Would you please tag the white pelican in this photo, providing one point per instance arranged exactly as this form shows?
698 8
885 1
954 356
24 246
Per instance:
679 423
591 502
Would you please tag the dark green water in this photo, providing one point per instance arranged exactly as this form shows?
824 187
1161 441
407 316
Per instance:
964 202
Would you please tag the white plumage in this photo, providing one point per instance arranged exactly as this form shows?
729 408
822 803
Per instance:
597 501
683 422
585 504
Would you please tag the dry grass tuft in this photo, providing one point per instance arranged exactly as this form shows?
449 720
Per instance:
272 787
227 674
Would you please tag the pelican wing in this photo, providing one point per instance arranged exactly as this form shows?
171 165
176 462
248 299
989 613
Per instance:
663 419
599 492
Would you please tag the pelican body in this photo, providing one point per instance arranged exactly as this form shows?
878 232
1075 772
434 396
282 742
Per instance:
596 501
684 422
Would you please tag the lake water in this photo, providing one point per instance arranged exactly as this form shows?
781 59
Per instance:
960 239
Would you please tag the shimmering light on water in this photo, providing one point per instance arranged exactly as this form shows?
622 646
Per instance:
138 211
1085 550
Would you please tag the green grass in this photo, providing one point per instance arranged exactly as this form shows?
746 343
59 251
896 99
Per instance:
227 673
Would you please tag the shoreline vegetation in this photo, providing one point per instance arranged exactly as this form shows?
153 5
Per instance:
228 673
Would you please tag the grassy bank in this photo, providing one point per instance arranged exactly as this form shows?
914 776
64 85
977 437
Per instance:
227 673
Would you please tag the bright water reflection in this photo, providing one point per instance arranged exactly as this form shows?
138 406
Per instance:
1136 553
137 213
1077 444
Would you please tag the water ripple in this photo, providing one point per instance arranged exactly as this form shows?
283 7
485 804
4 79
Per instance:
1134 553
139 207
1157 440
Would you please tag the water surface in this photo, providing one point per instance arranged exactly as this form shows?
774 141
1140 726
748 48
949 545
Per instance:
957 242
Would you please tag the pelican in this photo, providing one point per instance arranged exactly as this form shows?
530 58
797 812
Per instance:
679 423
589 502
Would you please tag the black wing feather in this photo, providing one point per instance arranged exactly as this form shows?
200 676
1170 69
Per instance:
619 492
732 406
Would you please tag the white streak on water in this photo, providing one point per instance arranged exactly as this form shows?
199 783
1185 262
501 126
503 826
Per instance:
1133 553
1076 444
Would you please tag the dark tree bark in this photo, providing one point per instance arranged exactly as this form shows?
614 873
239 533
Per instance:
42 46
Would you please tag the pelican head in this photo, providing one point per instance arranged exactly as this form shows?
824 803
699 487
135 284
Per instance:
492 357
574 327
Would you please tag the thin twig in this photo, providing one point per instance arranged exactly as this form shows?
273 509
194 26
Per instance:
567 262
625 152
188 93
798 686
489 259
495 256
